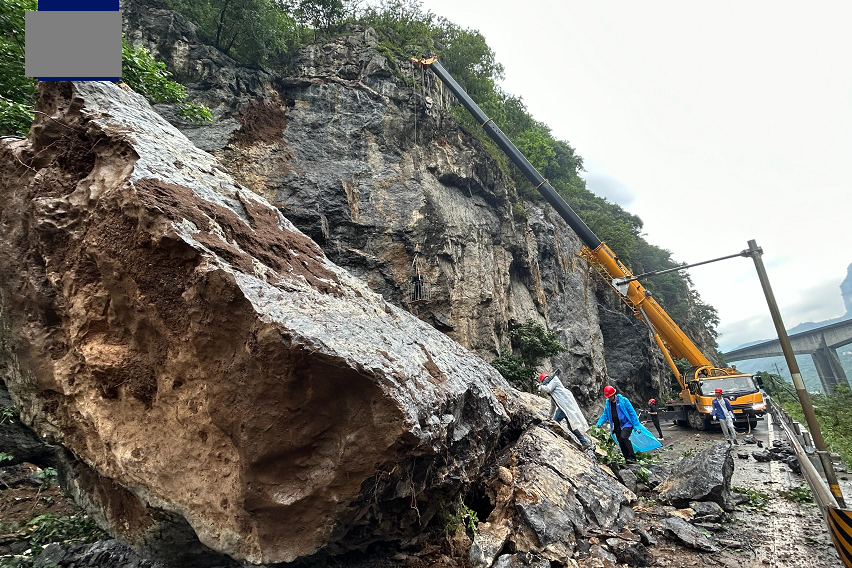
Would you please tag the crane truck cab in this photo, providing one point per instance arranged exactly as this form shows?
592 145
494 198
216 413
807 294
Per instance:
694 406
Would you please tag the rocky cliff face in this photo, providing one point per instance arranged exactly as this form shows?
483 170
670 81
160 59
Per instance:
344 146
215 385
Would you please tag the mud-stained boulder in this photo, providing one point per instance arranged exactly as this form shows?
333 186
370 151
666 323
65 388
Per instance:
206 365
705 476
551 495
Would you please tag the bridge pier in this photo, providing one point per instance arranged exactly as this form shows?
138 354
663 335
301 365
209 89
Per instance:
828 367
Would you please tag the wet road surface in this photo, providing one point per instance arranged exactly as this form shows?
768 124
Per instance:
779 532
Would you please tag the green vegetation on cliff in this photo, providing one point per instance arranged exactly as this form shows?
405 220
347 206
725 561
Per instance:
17 91
534 344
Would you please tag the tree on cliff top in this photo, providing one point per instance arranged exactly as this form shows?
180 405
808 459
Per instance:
534 344
16 89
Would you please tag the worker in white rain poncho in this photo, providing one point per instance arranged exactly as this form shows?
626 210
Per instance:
564 404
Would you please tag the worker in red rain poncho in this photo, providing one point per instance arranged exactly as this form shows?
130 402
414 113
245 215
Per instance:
564 404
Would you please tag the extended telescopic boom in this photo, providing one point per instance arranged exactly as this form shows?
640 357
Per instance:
671 340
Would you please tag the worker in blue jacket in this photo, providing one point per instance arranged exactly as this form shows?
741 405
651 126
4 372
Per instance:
622 416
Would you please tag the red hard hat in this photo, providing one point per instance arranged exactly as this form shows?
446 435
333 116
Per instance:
652 401
541 377
718 390
608 391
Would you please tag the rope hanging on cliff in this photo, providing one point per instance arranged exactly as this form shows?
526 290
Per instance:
416 154
419 292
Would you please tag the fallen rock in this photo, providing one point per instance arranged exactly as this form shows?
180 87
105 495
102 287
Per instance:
558 492
641 529
688 534
705 476
793 463
761 455
742 454
487 544
629 552
729 543
738 498
749 439
155 312
18 475
599 557
101 554
627 477
656 474
707 511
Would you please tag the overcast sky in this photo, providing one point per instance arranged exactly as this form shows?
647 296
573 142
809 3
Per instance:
715 122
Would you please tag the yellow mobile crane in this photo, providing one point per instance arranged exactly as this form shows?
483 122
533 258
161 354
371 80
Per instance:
693 407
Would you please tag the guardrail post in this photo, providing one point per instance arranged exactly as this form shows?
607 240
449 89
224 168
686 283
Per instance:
797 428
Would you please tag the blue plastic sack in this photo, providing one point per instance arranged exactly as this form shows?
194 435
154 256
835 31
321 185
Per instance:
642 439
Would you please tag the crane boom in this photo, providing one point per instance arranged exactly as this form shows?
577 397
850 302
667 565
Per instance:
671 339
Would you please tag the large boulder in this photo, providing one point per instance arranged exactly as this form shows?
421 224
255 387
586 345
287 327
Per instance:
219 382
550 494
705 476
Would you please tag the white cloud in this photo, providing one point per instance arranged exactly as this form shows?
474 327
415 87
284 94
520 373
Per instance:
610 188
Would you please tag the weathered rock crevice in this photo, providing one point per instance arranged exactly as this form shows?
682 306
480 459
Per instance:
158 313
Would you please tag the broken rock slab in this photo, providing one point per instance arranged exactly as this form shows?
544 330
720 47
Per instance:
557 493
705 476
761 455
707 511
688 534
487 544
155 312
626 477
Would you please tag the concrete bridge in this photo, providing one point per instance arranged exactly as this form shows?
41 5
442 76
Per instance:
820 343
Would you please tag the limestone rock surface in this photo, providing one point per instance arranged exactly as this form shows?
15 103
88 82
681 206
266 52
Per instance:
342 144
155 313
705 476
554 495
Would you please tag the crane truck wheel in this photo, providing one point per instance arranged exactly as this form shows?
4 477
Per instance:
697 420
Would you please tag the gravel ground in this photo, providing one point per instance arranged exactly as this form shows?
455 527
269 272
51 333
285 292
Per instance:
779 533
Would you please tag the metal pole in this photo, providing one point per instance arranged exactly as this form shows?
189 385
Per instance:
756 253
493 131
676 268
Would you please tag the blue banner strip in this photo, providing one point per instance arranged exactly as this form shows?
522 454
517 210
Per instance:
78 5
